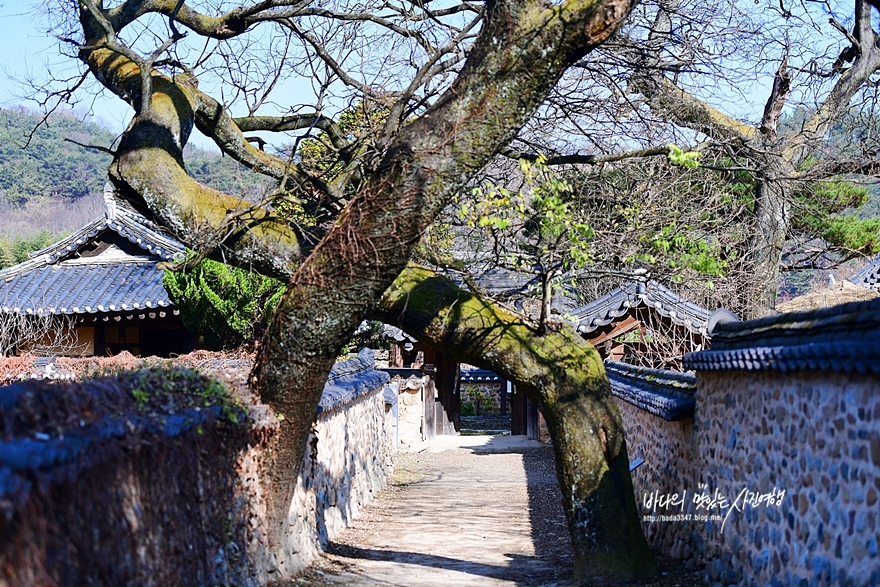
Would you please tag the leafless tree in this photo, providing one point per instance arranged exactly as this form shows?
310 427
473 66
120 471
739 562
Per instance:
39 334
457 83
687 72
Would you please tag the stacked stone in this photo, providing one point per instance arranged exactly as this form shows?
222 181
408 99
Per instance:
348 459
411 388
657 411
791 404
667 450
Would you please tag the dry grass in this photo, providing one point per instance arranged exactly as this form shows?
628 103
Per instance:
230 367
841 293
55 216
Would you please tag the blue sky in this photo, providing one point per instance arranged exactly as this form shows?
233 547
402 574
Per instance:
26 47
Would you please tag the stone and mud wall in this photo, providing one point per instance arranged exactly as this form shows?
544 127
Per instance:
657 409
410 386
154 478
775 478
349 461
667 449
798 458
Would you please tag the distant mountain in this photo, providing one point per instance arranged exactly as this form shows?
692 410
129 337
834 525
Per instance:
49 166
44 165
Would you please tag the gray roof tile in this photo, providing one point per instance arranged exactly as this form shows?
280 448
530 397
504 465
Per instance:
57 280
868 277
84 289
841 338
634 294
477 375
668 394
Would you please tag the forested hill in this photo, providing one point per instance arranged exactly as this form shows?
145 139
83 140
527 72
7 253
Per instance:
52 168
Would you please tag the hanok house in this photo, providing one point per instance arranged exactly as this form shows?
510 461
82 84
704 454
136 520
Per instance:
99 290
644 322
869 277
429 385
432 389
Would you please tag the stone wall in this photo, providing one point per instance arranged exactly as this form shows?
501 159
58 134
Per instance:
480 391
482 399
811 442
775 480
657 408
103 484
348 462
667 449
787 437
410 385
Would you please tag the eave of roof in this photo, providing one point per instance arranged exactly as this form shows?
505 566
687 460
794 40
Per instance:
395 333
635 294
667 394
84 289
478 376
54 281
117 218
868 277
841 338
351 379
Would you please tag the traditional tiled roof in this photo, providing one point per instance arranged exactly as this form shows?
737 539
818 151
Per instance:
844 338
395 333
839 293
351 379
85 289
504 284
476 375
509 286
869 276
668 394
107 266
635 294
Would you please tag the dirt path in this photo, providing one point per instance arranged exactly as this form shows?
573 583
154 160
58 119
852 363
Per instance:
465 511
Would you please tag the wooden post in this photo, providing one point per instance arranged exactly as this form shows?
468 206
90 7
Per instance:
396 359
533 429
429 416
518 409
445 374
447 380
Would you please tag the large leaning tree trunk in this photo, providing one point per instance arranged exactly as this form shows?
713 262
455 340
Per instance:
564 375
520 53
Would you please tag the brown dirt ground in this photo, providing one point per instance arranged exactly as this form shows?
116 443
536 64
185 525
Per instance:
417 529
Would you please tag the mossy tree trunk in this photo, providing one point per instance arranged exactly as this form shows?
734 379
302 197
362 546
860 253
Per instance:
520 53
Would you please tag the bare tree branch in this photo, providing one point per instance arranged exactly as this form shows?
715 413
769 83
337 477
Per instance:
577 159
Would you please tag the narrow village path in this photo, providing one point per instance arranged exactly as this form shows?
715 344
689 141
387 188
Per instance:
481 511
466 510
